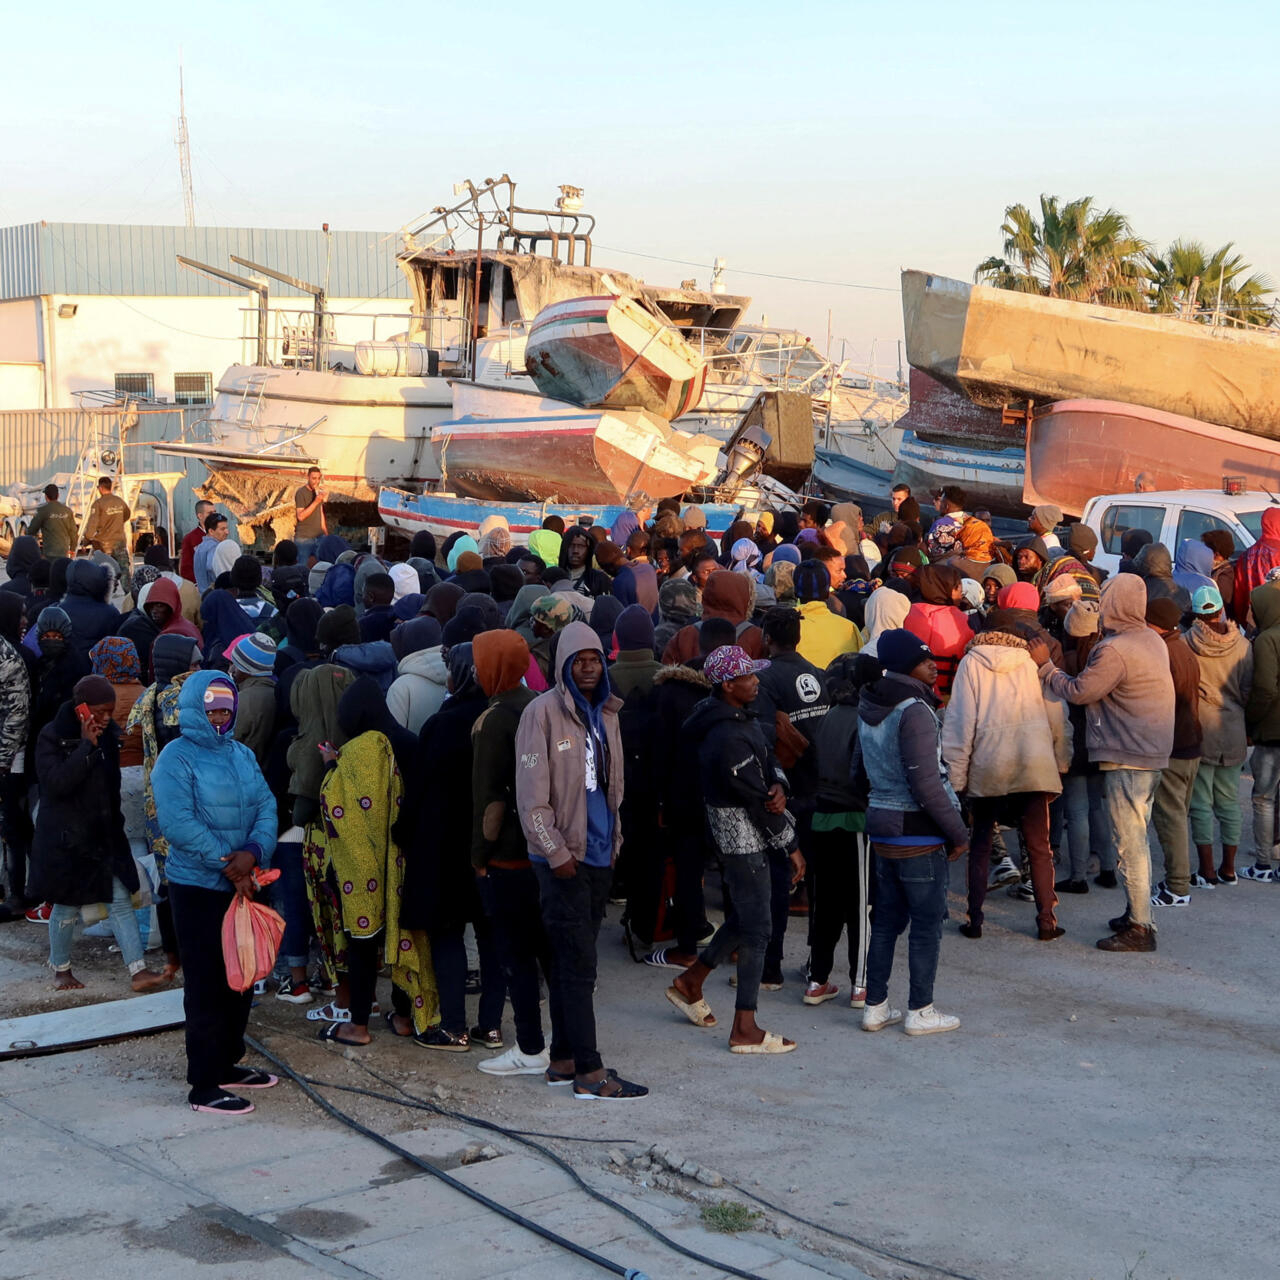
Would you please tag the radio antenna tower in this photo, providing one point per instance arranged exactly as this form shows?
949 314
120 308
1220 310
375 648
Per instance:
184 155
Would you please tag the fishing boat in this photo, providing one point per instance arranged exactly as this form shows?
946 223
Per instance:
612 352
568 454
443 513
991 478
1078 448
998 345
364 411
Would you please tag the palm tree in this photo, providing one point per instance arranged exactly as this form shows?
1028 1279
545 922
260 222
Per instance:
1071 252
1220 290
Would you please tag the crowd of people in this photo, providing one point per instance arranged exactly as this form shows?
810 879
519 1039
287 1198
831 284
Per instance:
459 756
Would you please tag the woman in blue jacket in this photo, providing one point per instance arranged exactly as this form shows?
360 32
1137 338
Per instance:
214 809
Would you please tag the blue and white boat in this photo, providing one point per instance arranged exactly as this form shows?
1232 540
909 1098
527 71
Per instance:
991 478
445 513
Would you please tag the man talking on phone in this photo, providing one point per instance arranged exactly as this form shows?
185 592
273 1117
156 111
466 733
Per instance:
310 523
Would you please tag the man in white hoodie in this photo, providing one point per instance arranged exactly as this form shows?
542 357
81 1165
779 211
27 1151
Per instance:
419 689
1006 743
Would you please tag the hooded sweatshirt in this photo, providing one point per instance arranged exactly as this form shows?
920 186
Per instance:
23 556
1004 733
1155 565
501 658
1194 566
419 689
1253 564
1226 677
211 798
1262 710
1126 686
886 611
726 595
569 779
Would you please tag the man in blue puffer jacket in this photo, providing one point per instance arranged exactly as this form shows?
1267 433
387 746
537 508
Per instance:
215 810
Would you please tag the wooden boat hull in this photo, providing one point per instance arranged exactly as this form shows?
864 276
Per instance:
610 352
572 455
992 478
1077 449
443 513
995 345
939 414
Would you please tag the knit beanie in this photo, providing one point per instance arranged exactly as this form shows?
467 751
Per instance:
694 518
1082 542
812 581
900 651
464 626
1164 613
96 691
634 628
1082 618
1064 587
1047 515
255 655
338 627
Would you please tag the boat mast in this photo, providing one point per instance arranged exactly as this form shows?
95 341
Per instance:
184 154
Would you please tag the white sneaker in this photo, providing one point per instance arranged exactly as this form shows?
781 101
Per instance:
515 1063
926 1021
875 1017
1004 872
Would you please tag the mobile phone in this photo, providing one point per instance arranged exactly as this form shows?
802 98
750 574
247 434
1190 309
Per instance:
324 746
82 710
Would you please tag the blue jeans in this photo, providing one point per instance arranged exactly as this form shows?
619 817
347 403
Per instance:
121 917
909 891
289 897
1265 767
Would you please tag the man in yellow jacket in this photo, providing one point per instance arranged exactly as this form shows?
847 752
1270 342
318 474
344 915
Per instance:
824 635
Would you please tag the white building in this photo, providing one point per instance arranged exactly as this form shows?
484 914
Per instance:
105 309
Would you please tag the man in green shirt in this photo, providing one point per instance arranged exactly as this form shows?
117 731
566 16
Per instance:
54 525
108 528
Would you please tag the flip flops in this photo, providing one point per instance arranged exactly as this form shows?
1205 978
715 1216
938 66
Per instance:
331 1033
772 1043
698 1012
658 959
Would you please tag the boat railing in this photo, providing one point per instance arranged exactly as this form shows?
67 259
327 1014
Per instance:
291 336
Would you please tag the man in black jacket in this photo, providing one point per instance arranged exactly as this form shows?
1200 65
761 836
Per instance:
915 826
790 705
743 789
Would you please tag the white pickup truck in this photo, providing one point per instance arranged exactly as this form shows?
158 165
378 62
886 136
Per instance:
1171 515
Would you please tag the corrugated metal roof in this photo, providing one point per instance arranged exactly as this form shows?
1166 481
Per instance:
125 261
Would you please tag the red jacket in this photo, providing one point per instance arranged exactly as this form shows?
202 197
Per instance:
186 554
1254 564
946 630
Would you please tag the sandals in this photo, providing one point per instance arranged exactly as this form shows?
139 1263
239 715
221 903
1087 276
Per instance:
698 1011
628 1090
330 1033
658 959
249 1078
772 1043
333 1012
223 1104
555 1078
390 1020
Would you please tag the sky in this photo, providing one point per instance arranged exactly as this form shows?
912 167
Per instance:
835 143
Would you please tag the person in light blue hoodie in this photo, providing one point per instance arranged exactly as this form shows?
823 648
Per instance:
215 810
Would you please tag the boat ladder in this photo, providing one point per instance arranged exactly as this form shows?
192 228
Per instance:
249 406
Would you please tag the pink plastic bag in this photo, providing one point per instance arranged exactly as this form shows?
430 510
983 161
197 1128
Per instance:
251 936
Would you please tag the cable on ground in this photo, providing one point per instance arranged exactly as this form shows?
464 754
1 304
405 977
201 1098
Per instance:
336 1113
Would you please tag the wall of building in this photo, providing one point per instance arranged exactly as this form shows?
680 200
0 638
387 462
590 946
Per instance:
159 336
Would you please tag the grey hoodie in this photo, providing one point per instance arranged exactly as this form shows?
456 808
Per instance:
1126 687
419 689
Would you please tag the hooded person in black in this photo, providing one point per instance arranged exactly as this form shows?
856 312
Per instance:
576 550
1154 565
85 603
17 664
744 794
24 555
440 894
59 667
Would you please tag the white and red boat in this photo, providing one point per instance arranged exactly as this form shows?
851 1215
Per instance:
1079 448
611 352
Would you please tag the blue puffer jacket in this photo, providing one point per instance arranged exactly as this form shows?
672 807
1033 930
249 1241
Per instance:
211 797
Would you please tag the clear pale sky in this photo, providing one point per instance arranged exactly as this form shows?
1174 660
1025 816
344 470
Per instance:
834 141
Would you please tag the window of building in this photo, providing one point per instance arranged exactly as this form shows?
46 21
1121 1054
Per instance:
192 388
140 385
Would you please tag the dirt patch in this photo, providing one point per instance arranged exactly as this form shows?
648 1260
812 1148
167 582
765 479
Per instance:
204 1234
42 1228
319 1224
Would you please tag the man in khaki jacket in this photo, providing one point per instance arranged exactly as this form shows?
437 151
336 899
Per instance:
108 527
569 769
